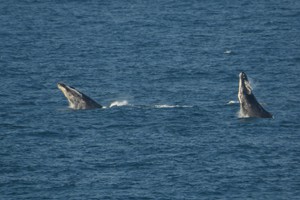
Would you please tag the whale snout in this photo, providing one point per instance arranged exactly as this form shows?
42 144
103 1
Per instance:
61 85
243 76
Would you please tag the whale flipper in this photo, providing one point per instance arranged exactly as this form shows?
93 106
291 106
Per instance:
76 99
249 106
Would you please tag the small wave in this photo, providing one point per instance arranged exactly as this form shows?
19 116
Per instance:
118 103
233 102
171 106
227 52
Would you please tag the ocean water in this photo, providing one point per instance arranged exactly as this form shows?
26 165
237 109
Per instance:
167 73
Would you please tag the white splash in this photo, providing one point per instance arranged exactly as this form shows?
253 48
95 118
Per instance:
240 114
118 103
227 52
233 102
171 106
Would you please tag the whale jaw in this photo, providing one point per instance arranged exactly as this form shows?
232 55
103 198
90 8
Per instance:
249 106
76 99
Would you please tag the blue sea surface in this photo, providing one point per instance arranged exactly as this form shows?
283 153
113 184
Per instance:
165 72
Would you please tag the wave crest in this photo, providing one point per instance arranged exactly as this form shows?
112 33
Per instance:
233 102
118 103
171 106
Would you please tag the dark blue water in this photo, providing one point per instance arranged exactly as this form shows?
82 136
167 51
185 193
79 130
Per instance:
176 64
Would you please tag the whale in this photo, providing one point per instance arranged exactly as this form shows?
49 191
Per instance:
249 106
77 100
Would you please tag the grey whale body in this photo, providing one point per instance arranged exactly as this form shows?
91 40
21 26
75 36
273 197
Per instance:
249 106
77 100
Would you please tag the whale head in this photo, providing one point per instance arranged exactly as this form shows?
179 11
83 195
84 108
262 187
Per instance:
244 85
249 106
76 99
